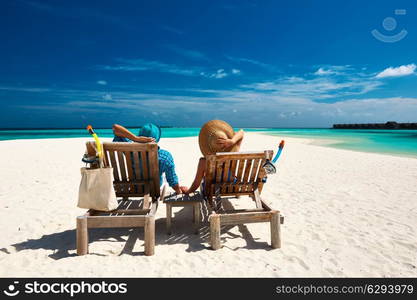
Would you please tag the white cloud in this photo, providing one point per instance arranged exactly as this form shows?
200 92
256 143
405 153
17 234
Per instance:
107 97
317 88
398 71
277 109
102 82
131 65
283 101
322 71
332 70
252 62
220 73
193 54
150 65
25 89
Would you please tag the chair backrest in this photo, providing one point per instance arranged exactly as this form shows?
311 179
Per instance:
235 173
135 168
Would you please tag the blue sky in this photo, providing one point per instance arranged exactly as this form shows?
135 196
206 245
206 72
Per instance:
277 63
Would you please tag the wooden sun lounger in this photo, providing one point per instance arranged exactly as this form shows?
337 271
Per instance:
136 174
233 175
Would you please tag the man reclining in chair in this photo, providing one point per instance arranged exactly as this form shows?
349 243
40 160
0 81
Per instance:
152 133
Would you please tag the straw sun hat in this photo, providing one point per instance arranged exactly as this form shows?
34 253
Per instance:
209 134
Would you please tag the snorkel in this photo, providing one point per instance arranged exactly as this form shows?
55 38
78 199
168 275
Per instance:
270 166
280 147
99 152
96 139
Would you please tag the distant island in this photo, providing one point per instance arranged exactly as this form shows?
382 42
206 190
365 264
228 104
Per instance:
387 125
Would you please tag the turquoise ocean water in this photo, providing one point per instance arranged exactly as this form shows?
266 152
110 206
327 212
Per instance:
398 142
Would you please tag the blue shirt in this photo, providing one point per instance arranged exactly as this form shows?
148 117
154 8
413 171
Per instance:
166 163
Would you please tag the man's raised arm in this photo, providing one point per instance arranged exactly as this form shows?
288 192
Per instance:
121 131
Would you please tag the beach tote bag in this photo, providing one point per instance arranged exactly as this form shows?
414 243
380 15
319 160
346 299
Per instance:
96 189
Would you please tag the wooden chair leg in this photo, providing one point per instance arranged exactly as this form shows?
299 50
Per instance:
82 236
149 235
275 230
215 231
197 217
169 217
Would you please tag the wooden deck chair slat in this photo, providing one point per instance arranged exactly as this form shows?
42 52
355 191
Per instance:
154 171
120 146
219 173
219 170
115 169
106 160
233 166
137 171
255 169
262 173
239 174
113 164
226 175
146 198
129 195
145 169
122 166
131 176
135 182
210 173
142 171
246 175
238 155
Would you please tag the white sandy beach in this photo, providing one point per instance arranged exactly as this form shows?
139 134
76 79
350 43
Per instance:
346 214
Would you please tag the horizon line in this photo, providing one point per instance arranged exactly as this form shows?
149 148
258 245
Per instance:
83 128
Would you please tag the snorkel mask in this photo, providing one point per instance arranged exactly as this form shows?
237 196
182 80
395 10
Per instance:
270 166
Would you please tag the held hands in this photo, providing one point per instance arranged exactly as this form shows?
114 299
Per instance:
184 189
180 189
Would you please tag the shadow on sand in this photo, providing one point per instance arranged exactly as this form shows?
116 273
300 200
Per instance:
63 243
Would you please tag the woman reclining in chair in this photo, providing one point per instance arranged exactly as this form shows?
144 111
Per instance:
215 136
